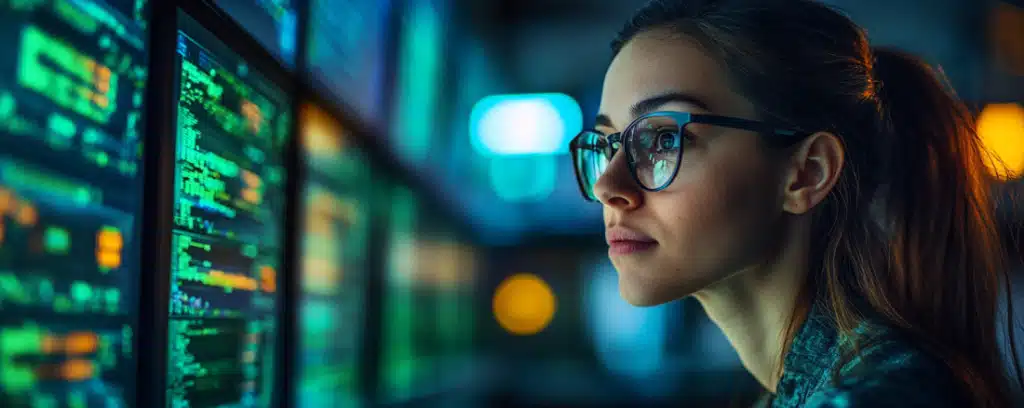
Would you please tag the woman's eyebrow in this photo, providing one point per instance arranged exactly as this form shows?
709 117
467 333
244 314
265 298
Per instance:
649 105
604 120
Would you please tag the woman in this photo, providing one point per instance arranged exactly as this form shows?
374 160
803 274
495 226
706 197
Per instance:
825 202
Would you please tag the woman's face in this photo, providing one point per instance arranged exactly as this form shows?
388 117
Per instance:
722 212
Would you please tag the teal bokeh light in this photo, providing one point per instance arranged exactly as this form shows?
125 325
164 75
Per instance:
526 124
523 178
419 74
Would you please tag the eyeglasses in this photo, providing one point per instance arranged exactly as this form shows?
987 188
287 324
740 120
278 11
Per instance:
654 145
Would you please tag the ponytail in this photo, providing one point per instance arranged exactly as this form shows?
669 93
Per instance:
946 266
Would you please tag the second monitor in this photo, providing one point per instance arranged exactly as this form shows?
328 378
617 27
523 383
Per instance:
232 129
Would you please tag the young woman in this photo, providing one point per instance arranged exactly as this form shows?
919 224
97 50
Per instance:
825 201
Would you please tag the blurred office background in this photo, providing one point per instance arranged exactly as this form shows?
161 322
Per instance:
548 327
513 185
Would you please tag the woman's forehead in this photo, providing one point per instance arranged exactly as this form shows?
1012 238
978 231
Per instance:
654 65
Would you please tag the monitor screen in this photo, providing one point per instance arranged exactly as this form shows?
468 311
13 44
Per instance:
444 283
232 128
271 22
428 303
72 79
401 366
452 267
333 263
347 49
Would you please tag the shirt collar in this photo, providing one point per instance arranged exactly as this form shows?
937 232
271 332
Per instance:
813 353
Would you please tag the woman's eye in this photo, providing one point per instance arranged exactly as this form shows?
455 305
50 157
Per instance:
667 140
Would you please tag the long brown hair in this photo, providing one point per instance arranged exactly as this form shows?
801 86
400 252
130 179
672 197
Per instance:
908 233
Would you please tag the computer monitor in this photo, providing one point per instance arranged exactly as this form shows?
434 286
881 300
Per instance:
347 52
455 266
333 264
232 128
446 285
272 22
72 79
428 308
402 368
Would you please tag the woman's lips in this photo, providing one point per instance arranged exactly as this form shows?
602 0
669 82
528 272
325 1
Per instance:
629 247
625 241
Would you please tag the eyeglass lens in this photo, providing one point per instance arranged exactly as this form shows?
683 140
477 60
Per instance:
653 147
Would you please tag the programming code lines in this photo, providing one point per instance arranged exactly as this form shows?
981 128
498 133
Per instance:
72 80
226 249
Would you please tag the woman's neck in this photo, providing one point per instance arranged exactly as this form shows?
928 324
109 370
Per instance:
754 307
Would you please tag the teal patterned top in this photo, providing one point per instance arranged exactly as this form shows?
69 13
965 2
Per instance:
888 371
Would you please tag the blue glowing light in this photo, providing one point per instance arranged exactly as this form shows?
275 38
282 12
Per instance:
629 340
523 178
528 124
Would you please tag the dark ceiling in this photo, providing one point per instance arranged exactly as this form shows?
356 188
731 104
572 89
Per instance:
527 12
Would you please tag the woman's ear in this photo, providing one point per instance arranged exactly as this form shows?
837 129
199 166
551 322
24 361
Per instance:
812 172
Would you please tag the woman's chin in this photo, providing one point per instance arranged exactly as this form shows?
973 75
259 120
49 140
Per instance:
640 300
646 294
642 288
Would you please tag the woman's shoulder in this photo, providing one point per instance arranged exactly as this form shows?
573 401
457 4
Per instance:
889 370
874 365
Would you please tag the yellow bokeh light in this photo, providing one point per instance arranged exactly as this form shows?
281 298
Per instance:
524 304
1001 127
